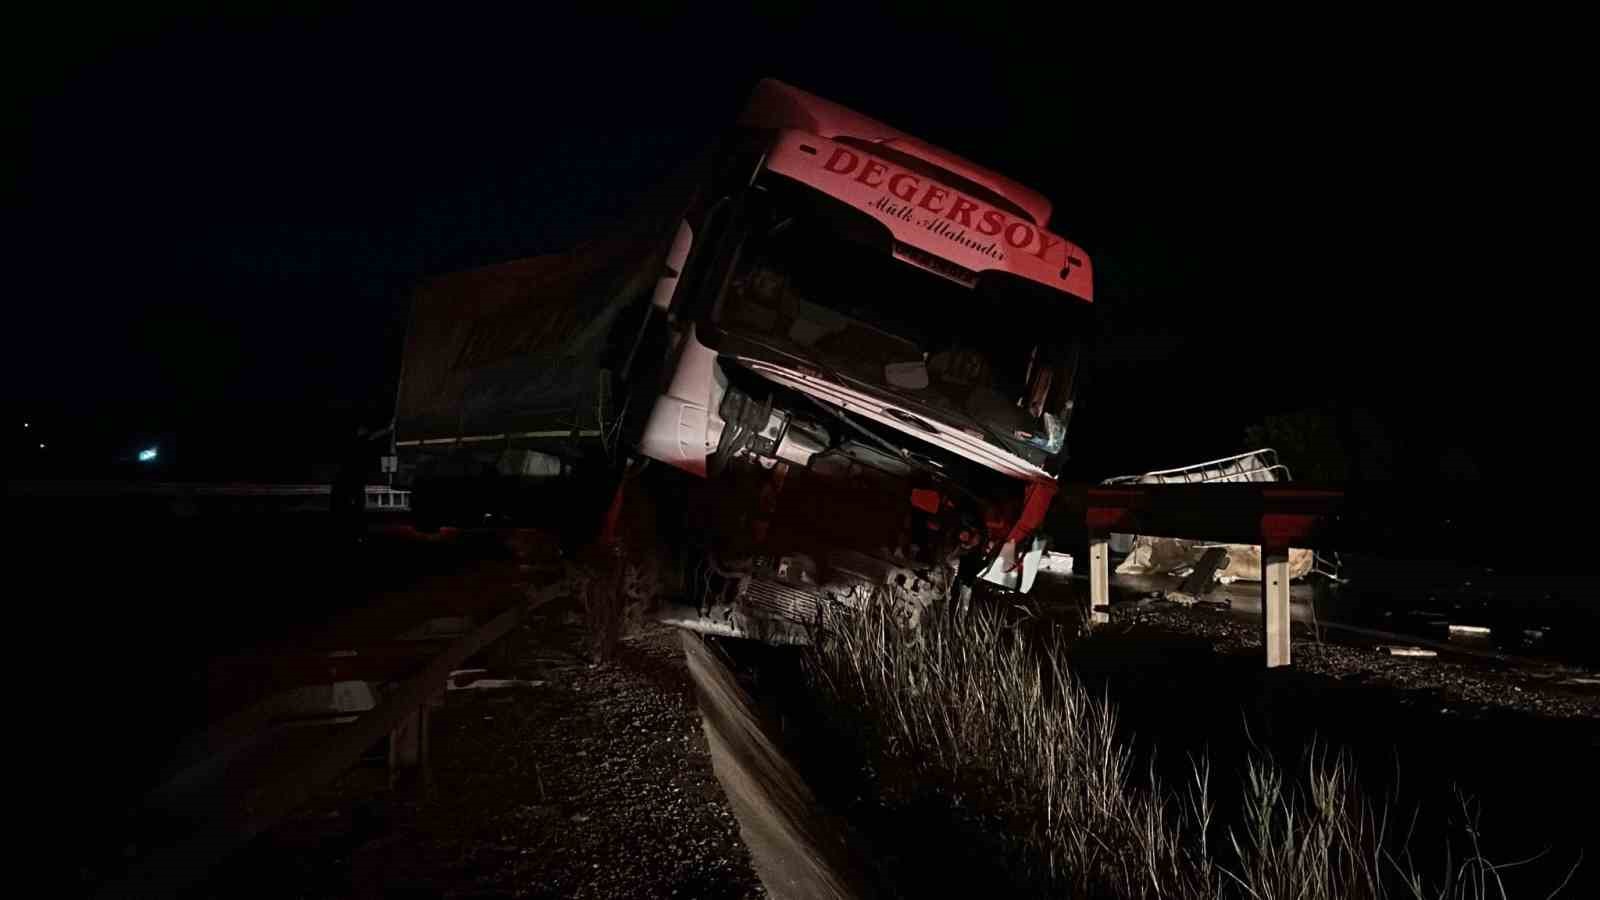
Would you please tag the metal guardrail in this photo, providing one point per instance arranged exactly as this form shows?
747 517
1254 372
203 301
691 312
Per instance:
1444 520
379 497
88 488
279 786
1273 515
1485 521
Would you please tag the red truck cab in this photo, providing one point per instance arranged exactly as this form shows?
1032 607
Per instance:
855 318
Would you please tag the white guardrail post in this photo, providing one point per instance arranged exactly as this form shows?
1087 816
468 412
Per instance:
1275 604
1099 579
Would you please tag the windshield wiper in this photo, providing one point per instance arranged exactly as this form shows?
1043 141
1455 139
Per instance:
805 361
989 434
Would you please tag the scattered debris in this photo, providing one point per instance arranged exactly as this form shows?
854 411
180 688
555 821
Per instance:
1171 556
441 627
311 701
1469 629
1463 680
1436 622
1397 650
1204 574
473 679
1056 563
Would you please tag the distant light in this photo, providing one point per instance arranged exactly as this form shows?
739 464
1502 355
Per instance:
41 446
26 425
147 455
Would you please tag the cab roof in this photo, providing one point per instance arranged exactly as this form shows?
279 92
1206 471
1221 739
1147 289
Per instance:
774 104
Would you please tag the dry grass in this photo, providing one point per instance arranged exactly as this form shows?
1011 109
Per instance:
983 701
614 586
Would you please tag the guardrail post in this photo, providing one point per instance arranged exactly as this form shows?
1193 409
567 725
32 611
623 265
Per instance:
408 750
1099 579
1275 604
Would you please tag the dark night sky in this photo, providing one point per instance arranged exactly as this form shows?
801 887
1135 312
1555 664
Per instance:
220 217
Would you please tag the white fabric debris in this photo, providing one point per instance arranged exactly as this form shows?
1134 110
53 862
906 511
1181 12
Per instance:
1172 556
1056 563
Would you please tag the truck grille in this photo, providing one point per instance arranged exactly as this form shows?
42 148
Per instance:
784 601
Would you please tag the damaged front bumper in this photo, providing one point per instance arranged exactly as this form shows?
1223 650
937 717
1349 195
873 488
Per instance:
784 599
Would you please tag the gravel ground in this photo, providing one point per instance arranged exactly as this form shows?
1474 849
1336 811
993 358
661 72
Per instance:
1465 685
594 782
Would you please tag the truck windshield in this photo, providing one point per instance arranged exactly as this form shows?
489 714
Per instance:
1001 352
